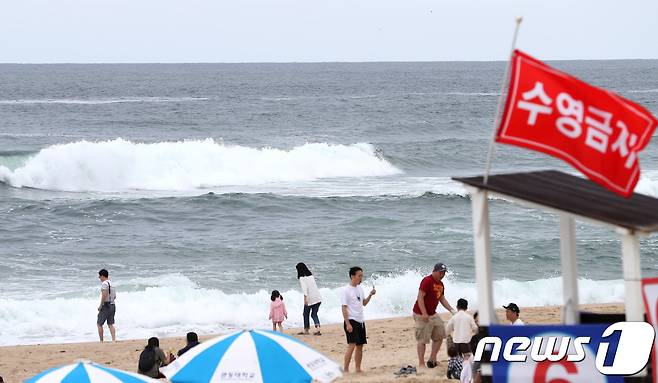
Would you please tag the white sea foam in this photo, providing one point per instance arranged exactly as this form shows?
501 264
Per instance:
367 96
173 304
379 187
642 91
101 101
184 168
453 94
120 165
473 93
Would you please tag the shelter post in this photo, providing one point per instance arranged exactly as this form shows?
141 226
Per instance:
482 246
570 309
630 250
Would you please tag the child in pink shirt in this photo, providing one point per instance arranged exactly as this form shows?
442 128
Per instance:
277 310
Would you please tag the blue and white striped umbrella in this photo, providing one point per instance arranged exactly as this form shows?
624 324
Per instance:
88 372
252 356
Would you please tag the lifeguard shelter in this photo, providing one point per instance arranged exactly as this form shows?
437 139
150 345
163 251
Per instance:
571 198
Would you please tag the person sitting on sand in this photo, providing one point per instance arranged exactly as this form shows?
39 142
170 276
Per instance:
462 327
152 358
455 362
192 340
512 314
278 311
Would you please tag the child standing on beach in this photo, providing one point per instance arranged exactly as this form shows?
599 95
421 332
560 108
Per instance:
278 311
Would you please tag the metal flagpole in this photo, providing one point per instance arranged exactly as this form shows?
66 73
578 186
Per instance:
519 19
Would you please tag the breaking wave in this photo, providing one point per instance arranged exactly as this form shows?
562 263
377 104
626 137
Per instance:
173 304
121 165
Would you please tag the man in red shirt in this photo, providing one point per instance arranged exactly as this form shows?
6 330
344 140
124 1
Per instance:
429 324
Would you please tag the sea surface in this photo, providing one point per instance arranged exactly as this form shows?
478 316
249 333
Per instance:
200 186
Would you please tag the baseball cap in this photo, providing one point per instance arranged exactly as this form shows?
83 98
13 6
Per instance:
440 267
512 307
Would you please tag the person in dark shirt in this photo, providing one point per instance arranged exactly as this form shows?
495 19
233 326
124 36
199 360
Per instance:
192 340
159 359
476 367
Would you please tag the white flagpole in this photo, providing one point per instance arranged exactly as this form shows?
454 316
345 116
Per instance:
519 19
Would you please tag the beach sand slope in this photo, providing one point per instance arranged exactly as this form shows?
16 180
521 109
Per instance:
391 345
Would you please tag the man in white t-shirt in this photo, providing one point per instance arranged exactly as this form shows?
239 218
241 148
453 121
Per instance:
512 314
353 299
106 309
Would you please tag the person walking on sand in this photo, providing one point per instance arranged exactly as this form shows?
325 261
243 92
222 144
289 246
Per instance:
312 298
106 309
278 311
353 300
512 314
429 324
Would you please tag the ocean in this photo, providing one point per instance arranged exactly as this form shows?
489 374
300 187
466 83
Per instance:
200 186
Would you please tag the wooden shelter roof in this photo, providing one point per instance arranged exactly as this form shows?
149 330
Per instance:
575 195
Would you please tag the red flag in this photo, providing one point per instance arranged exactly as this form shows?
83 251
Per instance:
595 130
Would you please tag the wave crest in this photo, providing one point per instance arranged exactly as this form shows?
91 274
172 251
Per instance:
121 165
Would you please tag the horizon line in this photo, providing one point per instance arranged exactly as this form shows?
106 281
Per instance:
299 62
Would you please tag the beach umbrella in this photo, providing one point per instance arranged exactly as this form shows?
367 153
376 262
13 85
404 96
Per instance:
252 356
88 372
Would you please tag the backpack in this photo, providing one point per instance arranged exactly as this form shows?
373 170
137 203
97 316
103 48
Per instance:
146 359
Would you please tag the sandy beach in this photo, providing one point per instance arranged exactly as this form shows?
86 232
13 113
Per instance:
390 346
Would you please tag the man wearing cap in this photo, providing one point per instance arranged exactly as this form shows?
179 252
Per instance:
512 314
429 325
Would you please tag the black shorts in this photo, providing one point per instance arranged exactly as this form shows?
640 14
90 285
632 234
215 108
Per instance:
463 348
106 314
358 334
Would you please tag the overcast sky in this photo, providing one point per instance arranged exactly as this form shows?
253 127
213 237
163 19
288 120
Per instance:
55 31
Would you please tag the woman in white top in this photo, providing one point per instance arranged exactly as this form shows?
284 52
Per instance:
312 298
